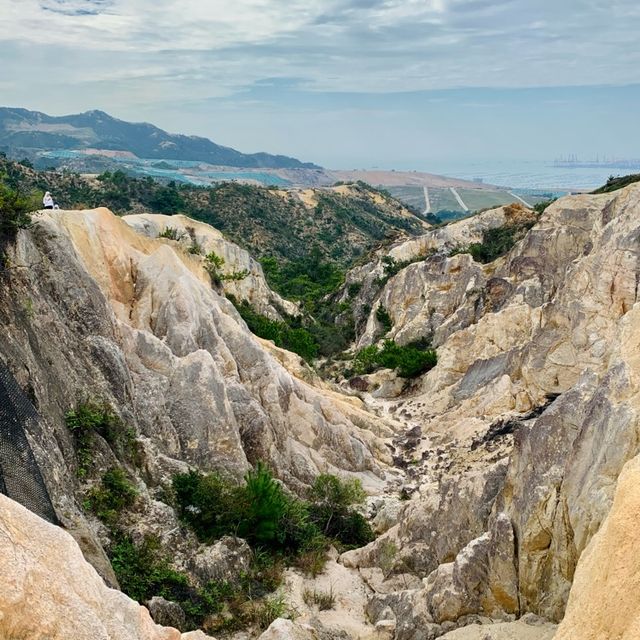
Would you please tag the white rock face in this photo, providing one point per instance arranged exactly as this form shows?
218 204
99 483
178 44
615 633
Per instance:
603 601
178 360
49 591
428 296
557 316
133 321
514 442
253 288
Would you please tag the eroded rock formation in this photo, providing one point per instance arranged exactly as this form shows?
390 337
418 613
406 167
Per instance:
511 447
528 418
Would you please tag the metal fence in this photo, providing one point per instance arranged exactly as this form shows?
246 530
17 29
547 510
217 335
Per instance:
20 476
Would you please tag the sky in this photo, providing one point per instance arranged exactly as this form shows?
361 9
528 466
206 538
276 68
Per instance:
345 83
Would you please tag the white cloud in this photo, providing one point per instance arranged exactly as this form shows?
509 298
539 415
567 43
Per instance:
216 47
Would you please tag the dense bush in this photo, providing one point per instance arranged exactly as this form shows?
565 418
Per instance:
143 572
307 279
263 513
259 511
167 199
298 338
15 207
114 494
89 419
331 510
495 243
279 526
410 361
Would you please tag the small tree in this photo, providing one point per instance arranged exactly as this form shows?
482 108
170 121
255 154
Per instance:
331 510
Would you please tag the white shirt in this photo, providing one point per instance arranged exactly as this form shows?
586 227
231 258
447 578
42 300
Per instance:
47 201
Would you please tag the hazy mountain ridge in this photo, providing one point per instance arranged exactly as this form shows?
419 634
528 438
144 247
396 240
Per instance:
33 130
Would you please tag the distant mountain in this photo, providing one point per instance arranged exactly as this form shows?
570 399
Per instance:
21 129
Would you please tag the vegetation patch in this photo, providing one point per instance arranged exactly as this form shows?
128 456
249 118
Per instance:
114 494
170 233
143 572
91 419
383 317
290 335
331 509
268 517
324 600
213 264
496 242
618 182
16 202
281 528
409 361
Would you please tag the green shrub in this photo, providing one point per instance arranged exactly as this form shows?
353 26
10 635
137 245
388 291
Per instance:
354 289
259 511
171 233
298 339
208 503
331 500
541 207
409 361
114 494
330 490
496 242
89 419
618 182
269 518
279 526
143 572
167 199
213 263
15 210
383 317
264 506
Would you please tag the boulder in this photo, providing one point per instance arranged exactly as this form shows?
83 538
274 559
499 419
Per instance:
49 591
224 561
166 612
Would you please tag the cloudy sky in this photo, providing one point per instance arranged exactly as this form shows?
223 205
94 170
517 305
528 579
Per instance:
346 83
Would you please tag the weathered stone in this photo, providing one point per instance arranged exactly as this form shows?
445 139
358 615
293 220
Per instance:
50 591
282 629
604 597
166 613
482 579
224 561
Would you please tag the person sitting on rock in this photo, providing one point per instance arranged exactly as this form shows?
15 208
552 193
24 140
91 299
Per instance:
47 201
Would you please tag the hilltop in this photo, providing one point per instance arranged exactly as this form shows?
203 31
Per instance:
98 133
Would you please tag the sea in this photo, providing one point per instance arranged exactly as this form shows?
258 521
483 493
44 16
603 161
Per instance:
526 174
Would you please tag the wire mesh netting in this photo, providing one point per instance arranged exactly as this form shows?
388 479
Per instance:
20 476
